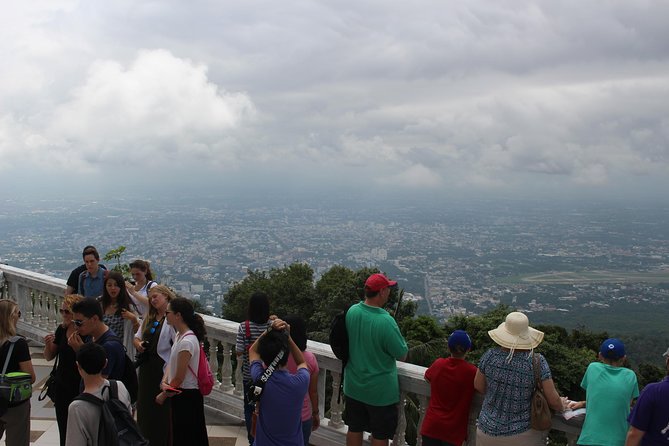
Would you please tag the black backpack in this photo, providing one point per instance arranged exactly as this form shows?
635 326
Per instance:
129 377
339 336
117 427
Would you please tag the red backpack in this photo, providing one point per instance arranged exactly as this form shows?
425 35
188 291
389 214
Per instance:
205 378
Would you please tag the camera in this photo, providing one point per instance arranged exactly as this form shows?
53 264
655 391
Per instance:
141 358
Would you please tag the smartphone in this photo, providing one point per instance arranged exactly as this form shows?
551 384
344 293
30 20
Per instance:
172 389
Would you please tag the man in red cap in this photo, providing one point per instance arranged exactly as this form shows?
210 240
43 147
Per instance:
371 386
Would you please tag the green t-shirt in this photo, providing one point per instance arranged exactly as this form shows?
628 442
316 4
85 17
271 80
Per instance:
375 343
609 391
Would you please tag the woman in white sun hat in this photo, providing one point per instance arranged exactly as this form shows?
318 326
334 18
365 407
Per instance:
506 378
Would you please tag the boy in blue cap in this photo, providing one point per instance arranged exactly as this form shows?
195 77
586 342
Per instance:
452 384
609 392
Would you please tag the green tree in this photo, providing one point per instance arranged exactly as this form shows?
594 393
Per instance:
427 341
650 373
116 254
290 290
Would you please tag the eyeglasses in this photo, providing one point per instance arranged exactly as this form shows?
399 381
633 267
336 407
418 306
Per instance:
78 322
154 327
64 311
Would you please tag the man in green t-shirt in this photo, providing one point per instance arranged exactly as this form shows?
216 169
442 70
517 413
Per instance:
370 379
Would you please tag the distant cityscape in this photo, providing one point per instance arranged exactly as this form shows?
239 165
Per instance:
564 263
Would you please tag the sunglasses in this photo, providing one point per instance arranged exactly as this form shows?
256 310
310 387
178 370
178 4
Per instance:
154 326
78 322
64 311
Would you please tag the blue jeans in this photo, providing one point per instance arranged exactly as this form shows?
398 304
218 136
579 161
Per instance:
306 431
248 412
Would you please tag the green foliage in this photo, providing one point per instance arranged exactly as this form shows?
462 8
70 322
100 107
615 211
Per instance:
116 254
290 290
427 341
650 373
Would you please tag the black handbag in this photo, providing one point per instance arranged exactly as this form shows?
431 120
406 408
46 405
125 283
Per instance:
49 387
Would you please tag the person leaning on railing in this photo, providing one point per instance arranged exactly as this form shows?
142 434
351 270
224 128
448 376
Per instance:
506 378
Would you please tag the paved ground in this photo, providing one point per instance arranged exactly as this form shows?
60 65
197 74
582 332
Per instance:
44 430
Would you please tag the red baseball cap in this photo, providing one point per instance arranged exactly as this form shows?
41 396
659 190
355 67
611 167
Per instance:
377 282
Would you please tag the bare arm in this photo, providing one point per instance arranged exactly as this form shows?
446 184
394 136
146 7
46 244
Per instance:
27 366
480 383
634 436
131 290
313 397
183 359
50 348
553 398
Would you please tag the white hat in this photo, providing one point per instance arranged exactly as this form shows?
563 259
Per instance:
515 333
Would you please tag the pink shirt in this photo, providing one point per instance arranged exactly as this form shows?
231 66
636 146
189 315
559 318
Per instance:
312 365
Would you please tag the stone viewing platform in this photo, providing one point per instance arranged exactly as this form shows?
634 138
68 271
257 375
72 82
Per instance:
39 297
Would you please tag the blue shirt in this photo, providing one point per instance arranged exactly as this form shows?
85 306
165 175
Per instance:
510 385
115 355
651 414
92 286
280 419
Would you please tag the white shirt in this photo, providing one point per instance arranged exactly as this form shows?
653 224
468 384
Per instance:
188 342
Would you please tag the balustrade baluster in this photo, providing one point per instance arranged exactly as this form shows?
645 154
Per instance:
336 404
226 370
54 305
423 400
400 434
239 378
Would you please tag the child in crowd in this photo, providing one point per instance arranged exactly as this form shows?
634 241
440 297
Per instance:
609 392
452 384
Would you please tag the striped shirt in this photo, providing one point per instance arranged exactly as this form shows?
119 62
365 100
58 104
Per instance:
244 342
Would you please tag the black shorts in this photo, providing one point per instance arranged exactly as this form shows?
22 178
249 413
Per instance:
380 421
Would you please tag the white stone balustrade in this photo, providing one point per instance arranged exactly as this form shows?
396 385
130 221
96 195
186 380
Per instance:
39 297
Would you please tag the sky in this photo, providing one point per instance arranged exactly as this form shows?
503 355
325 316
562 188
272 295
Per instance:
424 98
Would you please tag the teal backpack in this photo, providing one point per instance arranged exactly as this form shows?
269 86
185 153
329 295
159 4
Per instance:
15 387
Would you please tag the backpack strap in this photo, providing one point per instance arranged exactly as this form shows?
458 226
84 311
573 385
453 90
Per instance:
90 399
201 351
12 341
247 340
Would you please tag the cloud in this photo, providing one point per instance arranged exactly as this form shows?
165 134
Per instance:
466 94
158 107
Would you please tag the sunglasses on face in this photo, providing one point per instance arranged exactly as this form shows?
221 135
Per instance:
78 322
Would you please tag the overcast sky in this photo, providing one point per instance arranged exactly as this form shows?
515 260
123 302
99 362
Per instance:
424 97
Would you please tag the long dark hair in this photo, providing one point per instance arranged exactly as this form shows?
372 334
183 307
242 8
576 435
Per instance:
258 311
144 266
123 301
193 320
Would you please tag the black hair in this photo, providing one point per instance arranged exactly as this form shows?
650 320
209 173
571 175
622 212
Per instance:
88 250
123 301
194 321
91 358
258 311
88 307
271 344
298 331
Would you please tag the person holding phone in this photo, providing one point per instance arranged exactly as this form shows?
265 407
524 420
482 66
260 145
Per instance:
180 379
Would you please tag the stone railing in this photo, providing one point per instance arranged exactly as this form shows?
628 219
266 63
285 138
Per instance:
39 297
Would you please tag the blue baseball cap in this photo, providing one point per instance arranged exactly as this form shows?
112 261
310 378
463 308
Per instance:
459 338
612 348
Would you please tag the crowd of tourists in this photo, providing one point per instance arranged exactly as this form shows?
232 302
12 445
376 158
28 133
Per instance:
138 344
